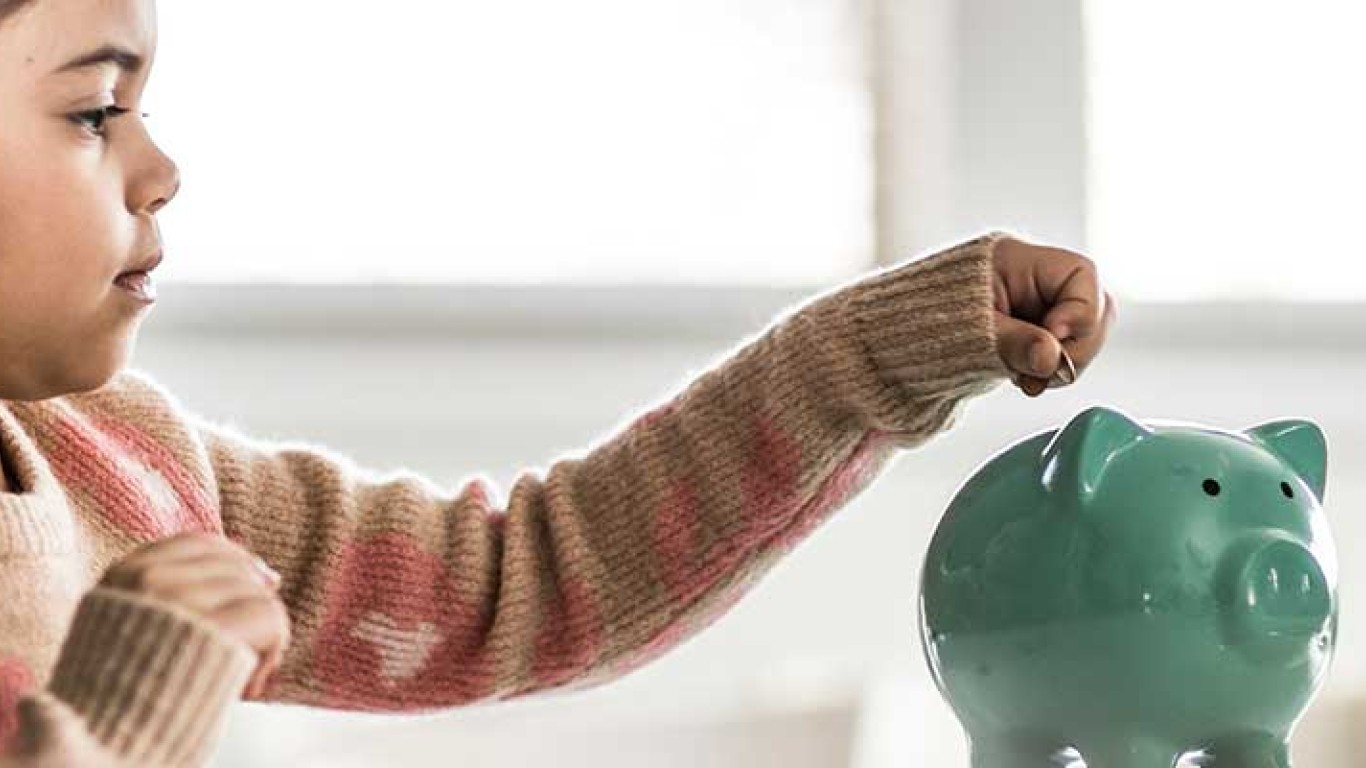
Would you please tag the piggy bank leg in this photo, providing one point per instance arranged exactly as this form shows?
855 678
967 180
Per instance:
1016 751
1131 752
1260 750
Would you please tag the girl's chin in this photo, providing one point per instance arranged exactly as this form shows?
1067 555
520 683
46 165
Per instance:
97 367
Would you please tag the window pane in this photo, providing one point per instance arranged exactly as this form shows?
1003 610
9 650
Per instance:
528 141
1229 145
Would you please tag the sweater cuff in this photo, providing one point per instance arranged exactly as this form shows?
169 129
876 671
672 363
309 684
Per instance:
152 681
927 330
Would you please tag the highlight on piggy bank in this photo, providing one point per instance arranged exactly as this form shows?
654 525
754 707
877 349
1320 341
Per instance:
1135 594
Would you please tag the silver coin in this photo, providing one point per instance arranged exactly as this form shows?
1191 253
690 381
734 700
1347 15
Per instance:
1067 371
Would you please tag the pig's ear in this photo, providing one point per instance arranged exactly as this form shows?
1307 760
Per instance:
1300 444
1076 458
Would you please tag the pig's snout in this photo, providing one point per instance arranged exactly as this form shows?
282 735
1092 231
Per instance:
1275 595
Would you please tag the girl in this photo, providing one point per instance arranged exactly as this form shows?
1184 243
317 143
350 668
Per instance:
135 609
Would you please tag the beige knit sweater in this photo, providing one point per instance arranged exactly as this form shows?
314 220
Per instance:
406 597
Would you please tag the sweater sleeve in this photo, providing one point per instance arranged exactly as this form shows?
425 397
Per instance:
138 683
406 597
53 736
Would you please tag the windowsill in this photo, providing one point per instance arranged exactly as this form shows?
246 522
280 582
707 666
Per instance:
682 312
456 310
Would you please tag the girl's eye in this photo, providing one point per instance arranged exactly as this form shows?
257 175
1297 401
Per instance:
95 119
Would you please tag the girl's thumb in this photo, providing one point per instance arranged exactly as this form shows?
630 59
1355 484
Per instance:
1026 348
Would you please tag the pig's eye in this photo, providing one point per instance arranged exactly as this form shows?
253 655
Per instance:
1211 486
1287 490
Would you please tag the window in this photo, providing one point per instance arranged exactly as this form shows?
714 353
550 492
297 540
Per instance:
693 141
1228 148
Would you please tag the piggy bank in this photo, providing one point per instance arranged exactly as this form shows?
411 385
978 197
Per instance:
1135 595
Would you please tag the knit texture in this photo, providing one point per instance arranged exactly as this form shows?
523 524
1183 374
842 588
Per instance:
406 597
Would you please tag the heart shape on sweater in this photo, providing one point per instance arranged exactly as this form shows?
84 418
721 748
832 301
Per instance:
403 652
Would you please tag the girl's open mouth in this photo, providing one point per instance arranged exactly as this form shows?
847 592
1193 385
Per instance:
139 285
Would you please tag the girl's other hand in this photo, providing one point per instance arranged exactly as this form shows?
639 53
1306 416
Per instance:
1047 300
219 581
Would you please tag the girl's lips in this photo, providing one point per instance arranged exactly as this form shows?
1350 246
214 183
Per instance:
139 285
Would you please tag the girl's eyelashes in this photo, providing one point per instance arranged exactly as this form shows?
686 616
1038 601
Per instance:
94 120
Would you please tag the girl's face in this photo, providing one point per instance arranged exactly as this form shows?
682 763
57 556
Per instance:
81 183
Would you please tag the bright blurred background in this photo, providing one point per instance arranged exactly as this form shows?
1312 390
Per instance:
472 237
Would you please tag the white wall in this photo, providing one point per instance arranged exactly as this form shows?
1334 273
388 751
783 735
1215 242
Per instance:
833 622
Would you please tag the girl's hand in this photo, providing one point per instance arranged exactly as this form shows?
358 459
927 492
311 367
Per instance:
219 581
1047 300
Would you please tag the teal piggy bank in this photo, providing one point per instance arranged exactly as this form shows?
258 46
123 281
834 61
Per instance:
1135 595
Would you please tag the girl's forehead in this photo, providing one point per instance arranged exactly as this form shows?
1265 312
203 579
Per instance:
64 39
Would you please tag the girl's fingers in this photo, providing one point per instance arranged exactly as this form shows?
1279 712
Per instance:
188 546
208 595
260 678
1031 386
263 624
1047 300
1071 291
185 558
1085 349
1053 287
259 620
206 575
1026 349
219 581
257 683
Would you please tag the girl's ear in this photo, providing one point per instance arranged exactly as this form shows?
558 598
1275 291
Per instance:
1075 460
1301 445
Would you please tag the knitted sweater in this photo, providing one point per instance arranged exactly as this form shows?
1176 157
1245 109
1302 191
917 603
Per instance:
406 597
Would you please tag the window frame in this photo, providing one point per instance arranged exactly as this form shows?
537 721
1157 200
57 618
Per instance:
945 170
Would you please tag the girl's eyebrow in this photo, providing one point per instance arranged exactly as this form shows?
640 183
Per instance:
109 53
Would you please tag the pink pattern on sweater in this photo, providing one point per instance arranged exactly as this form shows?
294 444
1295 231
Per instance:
16 681
136 484
571 636
688 579
675 538
768 483
398 633
477 492
770 501
849 478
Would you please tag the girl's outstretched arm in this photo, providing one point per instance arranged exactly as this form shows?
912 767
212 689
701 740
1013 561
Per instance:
404 597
